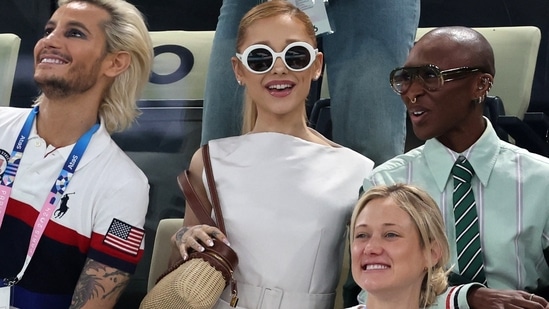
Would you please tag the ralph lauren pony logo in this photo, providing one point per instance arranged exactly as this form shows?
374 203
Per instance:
63 206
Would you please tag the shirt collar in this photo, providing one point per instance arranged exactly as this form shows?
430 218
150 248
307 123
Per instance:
482 155
98 142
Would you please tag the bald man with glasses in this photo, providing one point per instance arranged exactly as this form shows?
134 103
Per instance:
493 195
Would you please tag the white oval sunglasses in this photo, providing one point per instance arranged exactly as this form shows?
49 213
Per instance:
260 58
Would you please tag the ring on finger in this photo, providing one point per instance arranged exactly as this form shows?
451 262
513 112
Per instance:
531 296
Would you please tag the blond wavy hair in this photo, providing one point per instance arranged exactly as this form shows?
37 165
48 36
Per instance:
125 31
259 12
426 215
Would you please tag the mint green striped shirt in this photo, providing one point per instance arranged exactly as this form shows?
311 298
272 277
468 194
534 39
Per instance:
511 187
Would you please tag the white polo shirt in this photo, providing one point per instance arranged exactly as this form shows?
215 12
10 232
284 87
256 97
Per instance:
101 215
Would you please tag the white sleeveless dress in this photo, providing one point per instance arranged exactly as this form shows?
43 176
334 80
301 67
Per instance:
286 203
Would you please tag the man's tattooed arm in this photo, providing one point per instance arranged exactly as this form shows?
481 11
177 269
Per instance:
99 286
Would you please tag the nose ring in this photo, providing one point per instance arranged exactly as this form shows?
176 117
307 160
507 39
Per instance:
413 100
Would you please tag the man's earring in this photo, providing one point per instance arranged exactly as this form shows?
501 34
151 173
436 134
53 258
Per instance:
480 99
486 82
483 83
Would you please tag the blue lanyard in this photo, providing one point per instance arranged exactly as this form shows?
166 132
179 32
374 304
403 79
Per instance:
57 190
68 168
17 152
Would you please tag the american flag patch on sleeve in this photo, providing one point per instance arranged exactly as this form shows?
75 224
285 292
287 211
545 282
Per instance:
124 237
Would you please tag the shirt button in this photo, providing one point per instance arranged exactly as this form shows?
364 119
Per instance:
37 144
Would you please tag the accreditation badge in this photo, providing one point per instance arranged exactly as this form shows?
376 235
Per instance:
5 297
4 158
316 10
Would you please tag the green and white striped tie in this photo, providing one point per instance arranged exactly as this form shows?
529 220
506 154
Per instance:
470 259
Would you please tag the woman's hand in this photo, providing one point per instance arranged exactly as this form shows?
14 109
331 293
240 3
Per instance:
195 237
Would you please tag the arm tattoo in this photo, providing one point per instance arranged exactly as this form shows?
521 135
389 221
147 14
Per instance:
98 282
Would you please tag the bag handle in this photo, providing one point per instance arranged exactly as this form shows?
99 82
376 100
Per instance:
196 204
192 199
213 190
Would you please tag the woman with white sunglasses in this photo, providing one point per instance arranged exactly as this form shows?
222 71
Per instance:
286 192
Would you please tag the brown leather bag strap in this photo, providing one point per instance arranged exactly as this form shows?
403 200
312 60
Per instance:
213 191
199 209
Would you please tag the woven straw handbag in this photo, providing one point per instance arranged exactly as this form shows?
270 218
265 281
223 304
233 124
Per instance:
198 282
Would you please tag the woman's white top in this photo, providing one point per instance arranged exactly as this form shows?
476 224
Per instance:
286 203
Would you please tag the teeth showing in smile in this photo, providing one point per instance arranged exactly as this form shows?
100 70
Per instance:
418 113
376 266
53 61
280 87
